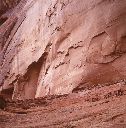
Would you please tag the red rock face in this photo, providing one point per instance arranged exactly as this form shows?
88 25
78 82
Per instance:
52 47
101 107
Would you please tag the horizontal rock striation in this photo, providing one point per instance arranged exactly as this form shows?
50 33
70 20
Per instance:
102 107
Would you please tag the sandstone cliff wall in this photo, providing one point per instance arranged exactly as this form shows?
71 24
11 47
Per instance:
54 46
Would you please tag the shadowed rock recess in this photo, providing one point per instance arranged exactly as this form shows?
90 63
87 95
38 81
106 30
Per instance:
63 63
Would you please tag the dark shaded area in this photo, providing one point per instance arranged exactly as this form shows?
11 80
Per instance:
21 112
2 20
8 93
2 103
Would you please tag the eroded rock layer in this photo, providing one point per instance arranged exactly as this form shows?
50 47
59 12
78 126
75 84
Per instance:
102 107
53 46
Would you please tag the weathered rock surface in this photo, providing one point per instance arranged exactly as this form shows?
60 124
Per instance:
102 107
53 46
62 63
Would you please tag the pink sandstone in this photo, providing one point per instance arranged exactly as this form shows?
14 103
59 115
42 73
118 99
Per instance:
54 46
